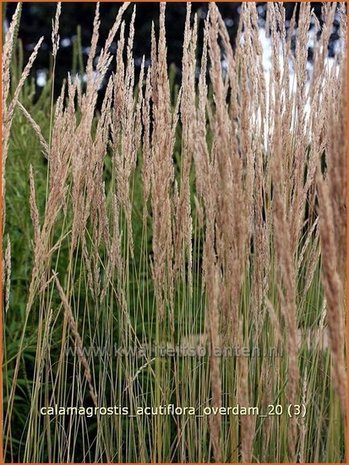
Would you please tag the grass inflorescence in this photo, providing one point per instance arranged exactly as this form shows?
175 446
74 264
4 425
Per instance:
178 246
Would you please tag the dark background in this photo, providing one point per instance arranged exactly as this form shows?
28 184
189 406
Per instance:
37 18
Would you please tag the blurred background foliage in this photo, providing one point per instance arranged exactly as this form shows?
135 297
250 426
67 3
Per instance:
76 29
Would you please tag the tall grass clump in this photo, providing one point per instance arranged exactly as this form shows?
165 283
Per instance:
177 245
